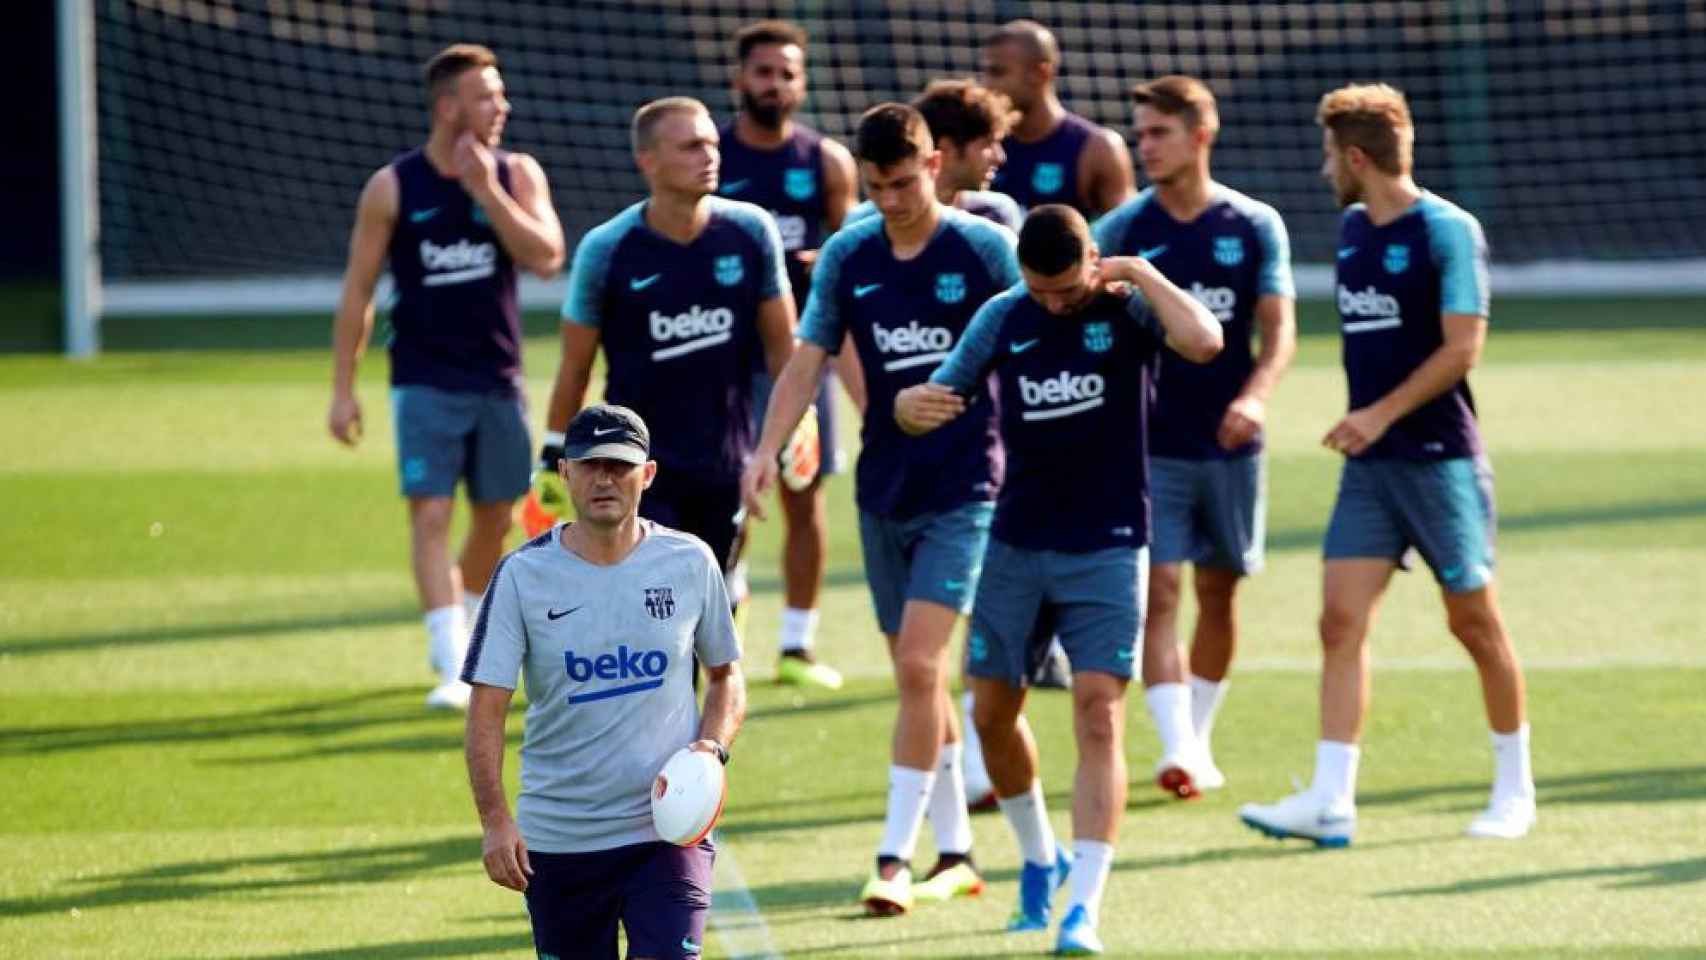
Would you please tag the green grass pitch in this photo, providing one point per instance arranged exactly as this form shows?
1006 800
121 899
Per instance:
211 668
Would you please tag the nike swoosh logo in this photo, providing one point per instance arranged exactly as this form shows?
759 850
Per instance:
639 283
954 584
1346 251
560 614
599 433
1450 573
422 216
1125 655
1153 252
1331 821
1021 347
733 186
688 946
863 289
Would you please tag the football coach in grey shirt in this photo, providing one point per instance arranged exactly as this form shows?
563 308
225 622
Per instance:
604 616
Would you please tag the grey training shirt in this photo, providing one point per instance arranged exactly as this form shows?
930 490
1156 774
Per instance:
607 652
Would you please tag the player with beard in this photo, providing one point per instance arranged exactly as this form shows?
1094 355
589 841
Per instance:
455 217
807 182
1053 155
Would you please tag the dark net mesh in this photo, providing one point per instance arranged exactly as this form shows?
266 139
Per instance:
236 134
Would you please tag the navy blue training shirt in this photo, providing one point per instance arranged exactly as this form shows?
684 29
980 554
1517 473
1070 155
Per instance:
455 323
1233 254
1393 283
679 328
788 182
1073 399
905 316
1046 170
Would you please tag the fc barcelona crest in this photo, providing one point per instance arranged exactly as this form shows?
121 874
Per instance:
1098 336
1048 178
1229 251
1397 258
660 602
950 287
799 183
728 270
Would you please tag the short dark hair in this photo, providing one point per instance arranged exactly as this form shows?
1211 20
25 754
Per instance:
441 72
963 111
1053 239
1037 40
891 132
763 33
1180 96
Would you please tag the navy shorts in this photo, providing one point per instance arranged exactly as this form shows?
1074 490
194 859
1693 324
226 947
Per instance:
933 556
1213 513
445 436
1442 508
1092 601
659 892
828 461
709 509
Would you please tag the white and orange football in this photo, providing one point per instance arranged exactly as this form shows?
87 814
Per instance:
687 796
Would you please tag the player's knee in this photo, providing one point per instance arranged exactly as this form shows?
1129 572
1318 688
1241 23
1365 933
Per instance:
1096 721
918 674
994 721
1163 590
1215 589
1342 627
430 516
1478 629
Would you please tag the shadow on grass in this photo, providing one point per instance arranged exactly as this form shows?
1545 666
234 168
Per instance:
279 873
1646 785
449 947
332 717
1637 876
205 632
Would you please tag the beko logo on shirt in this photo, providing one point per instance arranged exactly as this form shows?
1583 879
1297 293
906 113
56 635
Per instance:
1220 301
645 666
459 262
701 328
926 344
1380 309
1078 393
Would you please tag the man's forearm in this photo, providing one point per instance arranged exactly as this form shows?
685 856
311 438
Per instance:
725 708
350 330
794 391
1279 346
1442 370
528 240
484 749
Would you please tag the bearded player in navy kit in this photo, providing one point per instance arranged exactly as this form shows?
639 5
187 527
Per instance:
903 287
605 617
1053 155
1206 469
687 294
1071 362
455 217
1413 306
807 182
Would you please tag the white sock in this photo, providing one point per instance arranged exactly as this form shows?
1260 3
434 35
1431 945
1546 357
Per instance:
1513 771
948 816
909 789
471 602
798 628
1206 696
1336 771
1028 816
1170 706
447 632
976 774
1091 860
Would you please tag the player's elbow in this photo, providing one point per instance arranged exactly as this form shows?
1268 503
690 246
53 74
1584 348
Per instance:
1204 344
548 264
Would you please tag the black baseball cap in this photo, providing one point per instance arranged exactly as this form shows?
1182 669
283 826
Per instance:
607 432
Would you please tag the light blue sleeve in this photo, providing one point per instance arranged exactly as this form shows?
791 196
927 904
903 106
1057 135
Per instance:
1459 250
823 324
863 210
1275 277
995 245
761 227
969 363
1109 230
584 304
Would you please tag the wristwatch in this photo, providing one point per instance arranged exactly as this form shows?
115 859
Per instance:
722 751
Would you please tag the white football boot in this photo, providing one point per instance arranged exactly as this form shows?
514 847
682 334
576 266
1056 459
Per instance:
1506 818
1304 816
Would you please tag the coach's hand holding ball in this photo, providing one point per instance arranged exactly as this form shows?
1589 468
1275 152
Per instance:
923 407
